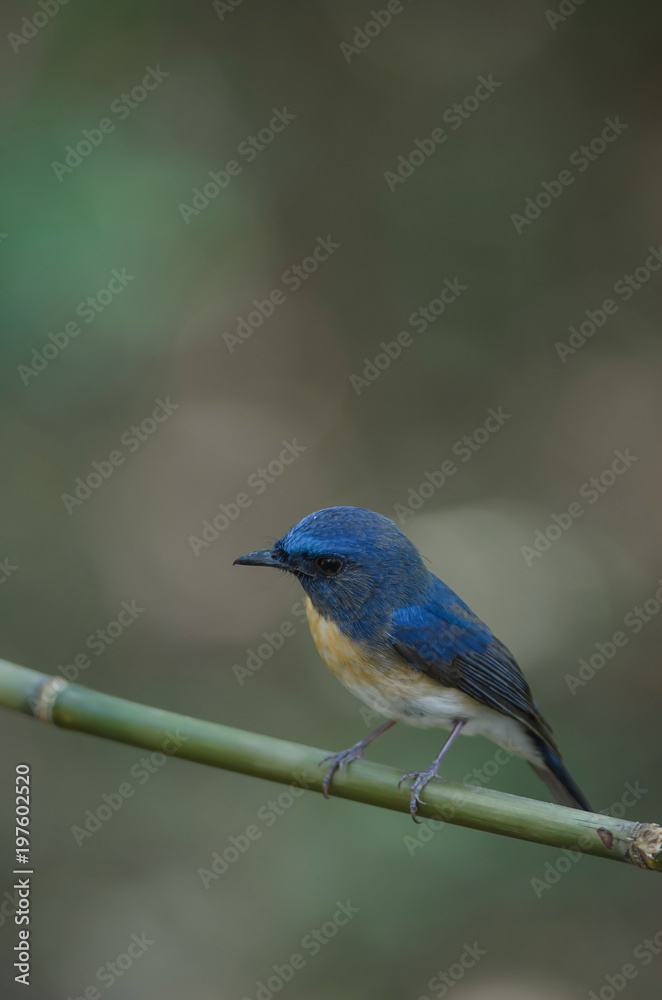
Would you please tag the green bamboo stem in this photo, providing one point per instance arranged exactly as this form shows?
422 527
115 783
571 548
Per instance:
71 706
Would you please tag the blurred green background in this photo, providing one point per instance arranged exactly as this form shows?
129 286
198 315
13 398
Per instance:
160 334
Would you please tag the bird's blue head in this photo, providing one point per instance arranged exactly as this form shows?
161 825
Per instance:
356 566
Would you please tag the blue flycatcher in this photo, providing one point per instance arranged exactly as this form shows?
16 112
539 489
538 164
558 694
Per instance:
405 644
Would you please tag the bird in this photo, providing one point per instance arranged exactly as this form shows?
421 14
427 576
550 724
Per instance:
405 644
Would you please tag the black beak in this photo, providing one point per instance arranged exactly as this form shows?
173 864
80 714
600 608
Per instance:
263 557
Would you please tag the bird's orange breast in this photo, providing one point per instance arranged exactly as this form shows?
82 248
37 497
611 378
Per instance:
384 681
345 658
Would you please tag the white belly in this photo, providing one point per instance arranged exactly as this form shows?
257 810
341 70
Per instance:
443 710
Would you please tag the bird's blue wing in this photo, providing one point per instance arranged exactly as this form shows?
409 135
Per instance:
444 640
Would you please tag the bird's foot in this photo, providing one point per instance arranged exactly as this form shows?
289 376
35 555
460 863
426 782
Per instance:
340 760
421 779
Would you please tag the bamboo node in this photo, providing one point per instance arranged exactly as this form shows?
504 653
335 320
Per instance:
645 845
44 699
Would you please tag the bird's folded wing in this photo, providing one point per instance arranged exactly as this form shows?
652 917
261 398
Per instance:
452 646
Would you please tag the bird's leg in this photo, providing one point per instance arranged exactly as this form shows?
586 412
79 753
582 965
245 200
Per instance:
421 778
340 760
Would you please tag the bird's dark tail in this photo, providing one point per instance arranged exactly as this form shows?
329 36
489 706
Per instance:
552 771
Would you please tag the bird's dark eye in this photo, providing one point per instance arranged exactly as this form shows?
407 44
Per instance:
329 565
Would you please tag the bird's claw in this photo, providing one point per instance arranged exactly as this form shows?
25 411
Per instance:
421 779
339 760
